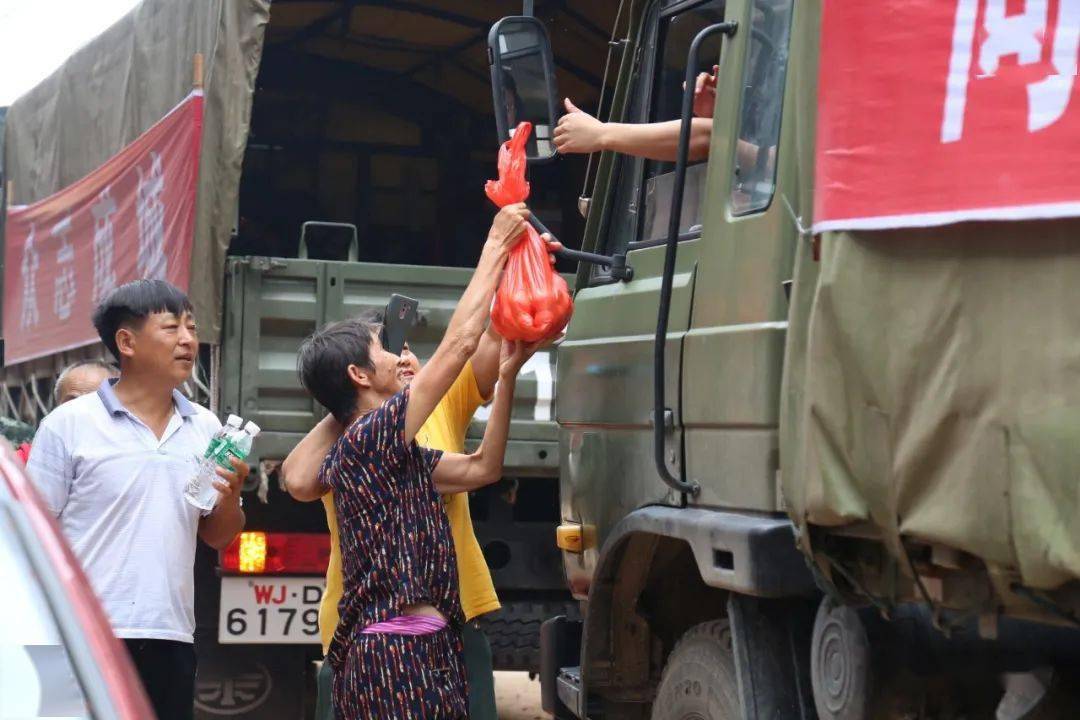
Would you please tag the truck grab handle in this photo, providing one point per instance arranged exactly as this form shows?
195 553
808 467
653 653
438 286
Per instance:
354 242
663 314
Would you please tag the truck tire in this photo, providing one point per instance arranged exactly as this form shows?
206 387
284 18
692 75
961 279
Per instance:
699 678
514 632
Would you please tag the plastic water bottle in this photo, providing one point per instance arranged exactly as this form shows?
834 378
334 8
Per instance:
200 490
238 445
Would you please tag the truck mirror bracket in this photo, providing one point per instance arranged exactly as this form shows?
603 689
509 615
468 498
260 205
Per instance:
616 263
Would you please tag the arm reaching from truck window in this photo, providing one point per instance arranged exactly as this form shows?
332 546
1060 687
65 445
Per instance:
580 132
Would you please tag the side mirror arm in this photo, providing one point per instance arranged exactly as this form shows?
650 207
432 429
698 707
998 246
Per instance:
617 263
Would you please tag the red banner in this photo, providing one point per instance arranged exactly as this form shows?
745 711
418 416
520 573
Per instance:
939 111
131 218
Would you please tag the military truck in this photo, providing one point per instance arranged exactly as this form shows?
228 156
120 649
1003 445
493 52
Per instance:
801 474
345 147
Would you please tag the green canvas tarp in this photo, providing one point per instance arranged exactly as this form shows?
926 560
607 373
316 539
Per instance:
122 82
932 377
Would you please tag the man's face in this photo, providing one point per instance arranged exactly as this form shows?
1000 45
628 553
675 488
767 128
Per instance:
166 346
82 381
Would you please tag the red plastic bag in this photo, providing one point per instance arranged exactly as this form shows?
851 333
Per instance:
532 302
511 187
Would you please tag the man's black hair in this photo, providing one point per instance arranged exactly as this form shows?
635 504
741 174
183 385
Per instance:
324 359
130 304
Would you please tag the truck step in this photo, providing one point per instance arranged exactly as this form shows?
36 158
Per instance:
568 685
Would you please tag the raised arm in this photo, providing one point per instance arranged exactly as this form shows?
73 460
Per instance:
579 132
457 472
468 321
485 363
300 471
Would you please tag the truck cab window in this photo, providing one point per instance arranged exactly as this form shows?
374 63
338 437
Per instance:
678 27
642 195
677 31
754 179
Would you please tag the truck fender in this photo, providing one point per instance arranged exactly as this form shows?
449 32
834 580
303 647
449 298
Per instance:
747 553
743 553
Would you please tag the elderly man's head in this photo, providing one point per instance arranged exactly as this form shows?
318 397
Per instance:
81 378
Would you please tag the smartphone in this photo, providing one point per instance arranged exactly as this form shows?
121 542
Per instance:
398 319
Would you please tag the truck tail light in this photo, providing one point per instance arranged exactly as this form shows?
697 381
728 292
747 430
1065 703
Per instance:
251 555
277 554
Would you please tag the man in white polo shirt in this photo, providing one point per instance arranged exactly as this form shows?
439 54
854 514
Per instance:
112 466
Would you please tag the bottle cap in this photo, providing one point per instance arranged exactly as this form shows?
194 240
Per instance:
252 429
235 421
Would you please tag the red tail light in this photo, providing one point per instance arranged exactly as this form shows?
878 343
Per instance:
277 554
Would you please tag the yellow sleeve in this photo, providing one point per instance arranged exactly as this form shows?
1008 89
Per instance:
462 399
446 427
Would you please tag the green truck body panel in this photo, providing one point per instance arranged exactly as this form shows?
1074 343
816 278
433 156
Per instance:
272 304
605 393
724 357
919 385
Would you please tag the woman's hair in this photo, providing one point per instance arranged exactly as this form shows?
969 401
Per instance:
324 360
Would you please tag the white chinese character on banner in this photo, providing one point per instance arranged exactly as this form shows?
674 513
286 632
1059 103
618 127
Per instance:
151 215
64 284
30 262
1023 35
104 272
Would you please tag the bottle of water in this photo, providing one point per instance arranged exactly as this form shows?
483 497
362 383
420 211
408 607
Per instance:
238 445
200 490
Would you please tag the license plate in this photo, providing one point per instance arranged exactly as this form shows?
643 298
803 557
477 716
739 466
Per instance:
270 609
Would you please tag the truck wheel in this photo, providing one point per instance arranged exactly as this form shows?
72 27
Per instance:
699 677
514 631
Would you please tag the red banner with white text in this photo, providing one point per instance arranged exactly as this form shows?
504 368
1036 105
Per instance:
131 218
940 111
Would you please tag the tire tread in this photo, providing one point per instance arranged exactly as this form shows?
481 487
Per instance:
694 646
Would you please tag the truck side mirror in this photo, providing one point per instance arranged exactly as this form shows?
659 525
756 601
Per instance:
523 83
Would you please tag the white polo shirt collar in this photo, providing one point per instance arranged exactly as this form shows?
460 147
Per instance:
113 405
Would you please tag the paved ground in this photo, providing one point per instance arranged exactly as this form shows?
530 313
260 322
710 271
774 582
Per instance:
517 697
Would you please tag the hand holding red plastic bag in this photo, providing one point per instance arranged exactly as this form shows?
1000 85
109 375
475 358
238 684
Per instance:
532 302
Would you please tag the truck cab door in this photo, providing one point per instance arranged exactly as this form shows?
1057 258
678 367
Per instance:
733 351
605 370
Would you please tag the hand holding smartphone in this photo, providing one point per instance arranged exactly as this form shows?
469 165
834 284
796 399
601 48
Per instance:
398 319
